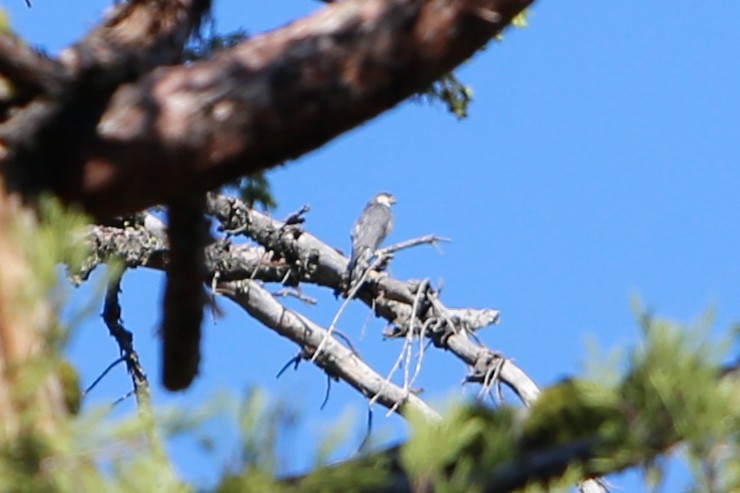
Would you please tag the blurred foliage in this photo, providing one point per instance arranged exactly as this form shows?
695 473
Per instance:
70 385
520 20
672 393
451 455
452 93
255 191
4 21
206 44
571 411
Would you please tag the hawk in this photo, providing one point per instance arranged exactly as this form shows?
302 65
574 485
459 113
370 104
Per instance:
369 231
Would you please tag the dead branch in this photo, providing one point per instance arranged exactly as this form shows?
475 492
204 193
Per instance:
139 247
125 341
301 257
337 360
422 240
316 262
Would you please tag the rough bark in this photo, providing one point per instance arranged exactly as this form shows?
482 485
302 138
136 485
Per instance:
50 110
272 98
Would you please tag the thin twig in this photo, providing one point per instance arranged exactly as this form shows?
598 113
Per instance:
326 394
297 217
295 293
102 375
350 296
422 240
295 360
338 360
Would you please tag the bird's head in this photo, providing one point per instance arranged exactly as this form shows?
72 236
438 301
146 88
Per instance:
385 198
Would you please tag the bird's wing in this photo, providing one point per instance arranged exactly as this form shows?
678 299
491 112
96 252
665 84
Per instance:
372 227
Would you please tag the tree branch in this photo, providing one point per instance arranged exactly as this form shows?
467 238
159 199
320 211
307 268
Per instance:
43 140
335 359
268 100
296 257
139 247
313 261
300 257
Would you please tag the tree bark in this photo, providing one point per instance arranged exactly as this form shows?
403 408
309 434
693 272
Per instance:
190 128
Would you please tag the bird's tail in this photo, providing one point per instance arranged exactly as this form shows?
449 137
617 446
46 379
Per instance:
358 264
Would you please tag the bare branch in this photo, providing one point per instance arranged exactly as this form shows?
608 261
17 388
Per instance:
302 257
336 360
423 240
139 247
316 262
296 293
125 341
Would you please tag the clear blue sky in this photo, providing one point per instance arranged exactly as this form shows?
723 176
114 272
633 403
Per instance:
600 161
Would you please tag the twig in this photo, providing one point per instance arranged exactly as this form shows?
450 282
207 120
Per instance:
295 361
124 339
123 398
389 298
326 394
368 430
350 296
297 217
338 360
296 293
406 349
422 240
490 379
102 375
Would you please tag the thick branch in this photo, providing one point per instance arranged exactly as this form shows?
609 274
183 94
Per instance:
49 121
273 98
316 262
297 256
138 247
137 36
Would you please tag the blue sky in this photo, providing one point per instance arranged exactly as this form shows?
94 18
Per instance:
600 161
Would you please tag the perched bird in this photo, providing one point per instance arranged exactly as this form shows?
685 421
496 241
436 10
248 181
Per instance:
369 231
